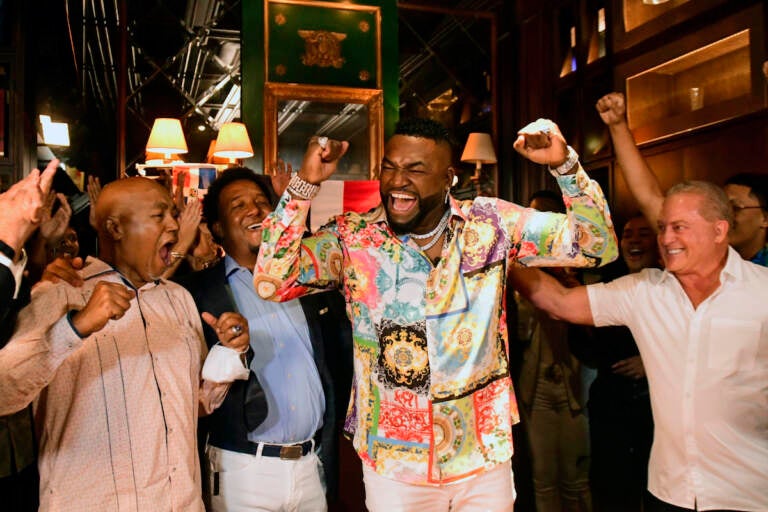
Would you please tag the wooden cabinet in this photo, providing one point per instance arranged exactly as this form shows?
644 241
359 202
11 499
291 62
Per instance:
692 71
705 77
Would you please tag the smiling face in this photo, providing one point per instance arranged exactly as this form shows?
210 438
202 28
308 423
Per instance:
689 243
749 224
416 173
638 245
144 230
243 205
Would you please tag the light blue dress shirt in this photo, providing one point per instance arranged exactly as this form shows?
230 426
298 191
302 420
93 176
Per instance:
283 362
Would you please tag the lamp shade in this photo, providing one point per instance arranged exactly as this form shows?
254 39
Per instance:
479 149
233 142
167 137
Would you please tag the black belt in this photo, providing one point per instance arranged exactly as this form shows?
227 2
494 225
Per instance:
286 452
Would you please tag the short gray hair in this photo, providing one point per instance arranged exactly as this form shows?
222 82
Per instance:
714 205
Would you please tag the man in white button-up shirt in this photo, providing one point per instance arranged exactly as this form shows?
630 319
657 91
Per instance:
702 329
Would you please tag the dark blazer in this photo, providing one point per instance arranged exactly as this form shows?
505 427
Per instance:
331 336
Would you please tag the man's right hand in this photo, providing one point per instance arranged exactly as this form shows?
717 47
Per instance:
612 108
109 301
320 163
64 268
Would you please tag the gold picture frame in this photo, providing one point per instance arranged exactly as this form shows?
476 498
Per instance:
295 112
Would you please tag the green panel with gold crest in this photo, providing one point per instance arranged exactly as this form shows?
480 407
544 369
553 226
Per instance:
323 43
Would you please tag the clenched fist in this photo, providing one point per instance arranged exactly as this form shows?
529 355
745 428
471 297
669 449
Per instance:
109 301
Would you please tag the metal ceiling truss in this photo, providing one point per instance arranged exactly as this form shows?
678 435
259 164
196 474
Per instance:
204 71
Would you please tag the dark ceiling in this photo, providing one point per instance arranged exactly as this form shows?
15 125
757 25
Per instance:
183 60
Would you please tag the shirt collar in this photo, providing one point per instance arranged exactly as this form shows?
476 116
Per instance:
94 267
231 266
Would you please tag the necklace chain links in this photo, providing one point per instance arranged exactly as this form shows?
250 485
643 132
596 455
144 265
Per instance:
435 233
437 229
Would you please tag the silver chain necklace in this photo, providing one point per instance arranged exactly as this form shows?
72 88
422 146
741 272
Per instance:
435 233
439 228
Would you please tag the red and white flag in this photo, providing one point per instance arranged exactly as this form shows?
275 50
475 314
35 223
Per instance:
337 197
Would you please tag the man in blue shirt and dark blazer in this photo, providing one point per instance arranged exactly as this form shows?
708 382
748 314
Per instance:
275 427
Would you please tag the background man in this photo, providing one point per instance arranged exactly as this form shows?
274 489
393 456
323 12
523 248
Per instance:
424 278
21 208
702 330
115 367
301 359
747 192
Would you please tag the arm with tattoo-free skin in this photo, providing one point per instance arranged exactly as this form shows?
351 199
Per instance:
546 293
640 179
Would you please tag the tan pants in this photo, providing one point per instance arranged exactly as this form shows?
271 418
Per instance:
492 491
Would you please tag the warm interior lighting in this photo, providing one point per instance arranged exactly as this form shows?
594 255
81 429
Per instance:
233 142
478 150
654 2
167 138
54 134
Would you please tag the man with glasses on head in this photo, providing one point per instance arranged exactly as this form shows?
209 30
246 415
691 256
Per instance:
424 276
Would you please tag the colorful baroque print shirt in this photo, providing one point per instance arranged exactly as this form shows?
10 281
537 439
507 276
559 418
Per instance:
432 400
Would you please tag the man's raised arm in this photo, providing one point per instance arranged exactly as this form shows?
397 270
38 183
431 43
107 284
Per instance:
640 179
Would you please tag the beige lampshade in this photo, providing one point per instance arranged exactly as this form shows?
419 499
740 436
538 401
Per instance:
479 149
233 141
166 137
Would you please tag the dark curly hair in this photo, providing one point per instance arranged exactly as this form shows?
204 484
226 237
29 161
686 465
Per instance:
424 128
211 199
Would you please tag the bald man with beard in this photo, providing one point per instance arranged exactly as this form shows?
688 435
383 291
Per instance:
113 367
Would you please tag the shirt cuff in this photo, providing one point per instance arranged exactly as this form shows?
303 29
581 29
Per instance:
17 269
572 184
70 313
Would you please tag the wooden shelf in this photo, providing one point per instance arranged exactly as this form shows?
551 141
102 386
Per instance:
701 79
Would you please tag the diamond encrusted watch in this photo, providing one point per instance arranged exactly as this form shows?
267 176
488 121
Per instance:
566 166
302 189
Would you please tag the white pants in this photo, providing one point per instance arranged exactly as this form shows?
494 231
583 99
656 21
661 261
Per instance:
493 491
254 483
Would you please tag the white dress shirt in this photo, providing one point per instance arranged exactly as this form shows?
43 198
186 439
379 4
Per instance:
707 371
17 269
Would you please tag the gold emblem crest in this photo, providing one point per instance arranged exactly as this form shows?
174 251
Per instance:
322 48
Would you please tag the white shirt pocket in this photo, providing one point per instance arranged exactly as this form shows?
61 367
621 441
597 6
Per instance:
733 345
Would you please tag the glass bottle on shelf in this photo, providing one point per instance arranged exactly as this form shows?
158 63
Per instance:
569 62
597 39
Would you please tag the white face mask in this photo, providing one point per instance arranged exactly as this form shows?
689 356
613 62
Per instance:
223 365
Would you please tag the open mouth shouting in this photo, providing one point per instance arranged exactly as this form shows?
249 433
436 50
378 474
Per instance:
165 253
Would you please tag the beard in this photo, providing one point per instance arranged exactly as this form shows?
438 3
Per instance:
425 206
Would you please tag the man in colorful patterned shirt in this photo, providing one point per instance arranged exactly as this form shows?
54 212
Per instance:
424 278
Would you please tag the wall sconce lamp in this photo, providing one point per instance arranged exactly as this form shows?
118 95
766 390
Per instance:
233 142
167 138
654 2
479 150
